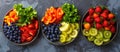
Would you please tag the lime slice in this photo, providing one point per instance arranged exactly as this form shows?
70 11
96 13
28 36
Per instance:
74 34
93 31
106 40
99 35
91 38
107 34
98 42
86 32
65 26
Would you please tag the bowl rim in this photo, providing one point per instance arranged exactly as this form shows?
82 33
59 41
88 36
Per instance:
115 34
26 43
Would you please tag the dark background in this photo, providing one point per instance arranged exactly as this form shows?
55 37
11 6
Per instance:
80 44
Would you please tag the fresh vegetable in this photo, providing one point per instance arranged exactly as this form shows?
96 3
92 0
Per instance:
11 17
53 15
28 32
25 14
71 13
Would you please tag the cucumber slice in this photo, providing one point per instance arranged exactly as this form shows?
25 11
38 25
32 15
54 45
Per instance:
91 38
99 35
98 42
106 40
74 34
107 34
93 31
86 32
65 26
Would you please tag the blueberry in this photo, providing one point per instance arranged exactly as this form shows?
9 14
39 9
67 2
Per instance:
45 28
53 35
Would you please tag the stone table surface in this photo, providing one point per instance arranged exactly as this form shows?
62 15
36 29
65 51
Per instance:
80 44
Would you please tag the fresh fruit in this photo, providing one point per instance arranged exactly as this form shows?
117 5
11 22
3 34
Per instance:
97 20
106 39
99 35
64 26
86 32
98 26
12 32
104 15
74 34
95 15
98 42
105 23
98 9
87 26
111 16
52 32
113 29
88 19
107 34
93 31
91 38
71 33
91 11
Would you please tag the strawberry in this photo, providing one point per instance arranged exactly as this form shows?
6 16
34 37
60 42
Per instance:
91 11
98 9
98 26
95 15
105 23
23 38
88 19
97 20
104 15
112 22
113 29
111 16
106 11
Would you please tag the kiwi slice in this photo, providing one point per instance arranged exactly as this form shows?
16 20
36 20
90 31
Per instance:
86 32
98 42
107 34
106 39
99 35
93 31
91 38
65 26
74 34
